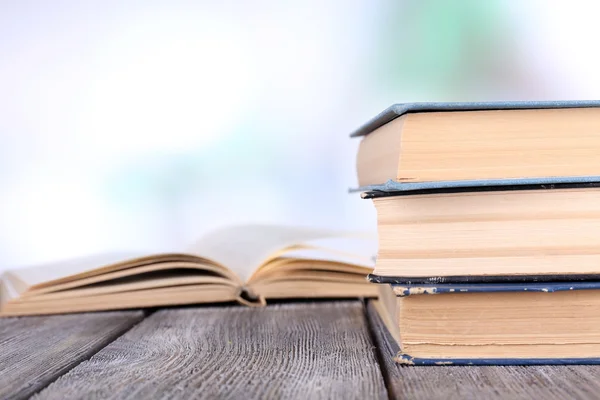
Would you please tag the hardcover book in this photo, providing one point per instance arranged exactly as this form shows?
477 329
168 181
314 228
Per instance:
433 145
519 233
493 324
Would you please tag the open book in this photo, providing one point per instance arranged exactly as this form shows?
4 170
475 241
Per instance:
248 264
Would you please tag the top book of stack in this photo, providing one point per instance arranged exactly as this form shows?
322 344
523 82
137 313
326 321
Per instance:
417 146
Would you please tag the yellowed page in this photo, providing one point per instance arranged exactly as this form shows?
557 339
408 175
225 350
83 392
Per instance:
179 295
56 273
365 259
237 251
23 278
245 248
158 271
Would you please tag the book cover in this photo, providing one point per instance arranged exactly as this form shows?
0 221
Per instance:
397 110
392 187
477 280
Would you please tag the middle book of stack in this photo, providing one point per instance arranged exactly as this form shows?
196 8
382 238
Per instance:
489 230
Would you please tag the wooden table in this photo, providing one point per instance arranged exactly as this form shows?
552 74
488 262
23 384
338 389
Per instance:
288 350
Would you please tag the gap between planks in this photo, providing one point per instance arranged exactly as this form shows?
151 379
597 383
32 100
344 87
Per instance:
35 351
295 350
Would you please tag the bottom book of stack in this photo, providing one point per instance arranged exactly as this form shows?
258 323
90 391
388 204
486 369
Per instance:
493 324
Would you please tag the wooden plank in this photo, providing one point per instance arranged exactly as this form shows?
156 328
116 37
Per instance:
34 351
488 382
306 350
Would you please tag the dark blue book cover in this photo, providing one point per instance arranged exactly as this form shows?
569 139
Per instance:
440 289
397 110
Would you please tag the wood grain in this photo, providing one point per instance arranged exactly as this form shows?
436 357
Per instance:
306 350
515 382
34 351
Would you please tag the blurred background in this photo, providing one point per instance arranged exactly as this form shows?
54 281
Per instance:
144 124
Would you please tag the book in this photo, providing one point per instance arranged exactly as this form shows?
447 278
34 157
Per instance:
493 324
520 233
248 264
440 142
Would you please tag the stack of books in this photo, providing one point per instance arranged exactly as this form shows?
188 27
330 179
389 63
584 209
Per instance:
489 230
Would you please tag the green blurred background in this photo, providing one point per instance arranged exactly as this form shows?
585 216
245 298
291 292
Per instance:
143 124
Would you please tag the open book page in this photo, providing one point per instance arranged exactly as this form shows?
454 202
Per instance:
324 254
319 256
245 248
23 278
346 250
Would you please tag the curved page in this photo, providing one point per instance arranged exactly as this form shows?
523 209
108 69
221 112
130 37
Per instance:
245 248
